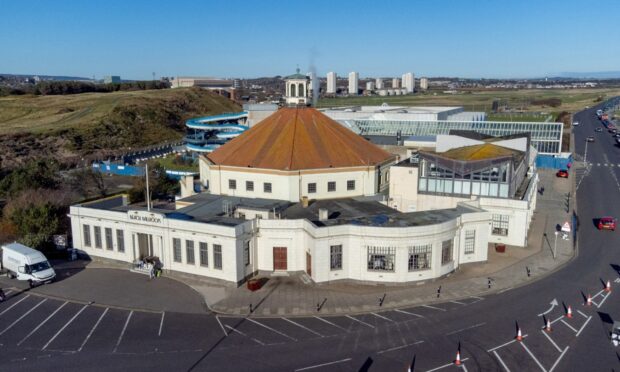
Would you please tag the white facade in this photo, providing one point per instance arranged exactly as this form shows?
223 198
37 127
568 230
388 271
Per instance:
353 83
234 253
409 82
331 83
297 91
395 83
379 83
293 185
423 83
370 85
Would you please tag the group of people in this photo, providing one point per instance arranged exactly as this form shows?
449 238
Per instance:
151 265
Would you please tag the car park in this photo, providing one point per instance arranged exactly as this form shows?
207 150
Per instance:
607 223
562 173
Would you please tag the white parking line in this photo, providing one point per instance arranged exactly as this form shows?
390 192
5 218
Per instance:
382 317
409 313
446 365
328 322
466 328
8 292
243 334
15 304
582 314
22 317
558 361
220 323
569 326
533 357
120 337
599 305
464 368
476 297
399 347
323 365
161 324
41 324
433 307
63 327
357 320
93 329
458 303
501 361
272 330
303 327
583 326
502 345
557 319
551 340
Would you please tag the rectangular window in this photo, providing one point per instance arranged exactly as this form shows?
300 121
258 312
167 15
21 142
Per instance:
109 245
232 184
350 185
470 241
500 224
446 251
381 258
217 256
97 236
189 252
120 241
204 254
420 257
267 187
312 188
249 185
246 253
331 186
335 252
86 234
176 249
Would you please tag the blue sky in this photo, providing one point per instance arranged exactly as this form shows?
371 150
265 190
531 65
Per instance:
251 38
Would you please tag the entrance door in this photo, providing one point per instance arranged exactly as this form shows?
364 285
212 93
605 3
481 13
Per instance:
145 245
308 264
279 258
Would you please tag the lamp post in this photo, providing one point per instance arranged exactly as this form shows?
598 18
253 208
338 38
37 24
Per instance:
555 244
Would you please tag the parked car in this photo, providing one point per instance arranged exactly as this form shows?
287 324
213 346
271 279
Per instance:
598 130
562 173
25 263
590 139
607 223
575 123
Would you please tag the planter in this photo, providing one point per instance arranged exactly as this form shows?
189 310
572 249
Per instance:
500 248
254 284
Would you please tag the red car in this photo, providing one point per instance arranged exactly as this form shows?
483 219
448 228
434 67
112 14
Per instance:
607 223
562 173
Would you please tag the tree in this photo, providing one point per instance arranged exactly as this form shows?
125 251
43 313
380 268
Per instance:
34 175
86 181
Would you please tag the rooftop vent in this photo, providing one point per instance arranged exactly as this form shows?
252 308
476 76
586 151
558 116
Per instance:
323 214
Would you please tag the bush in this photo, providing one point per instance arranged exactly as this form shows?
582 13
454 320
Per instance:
37 174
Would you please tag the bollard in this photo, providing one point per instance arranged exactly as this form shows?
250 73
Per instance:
528 271
381 299
489 282
251 309
438 291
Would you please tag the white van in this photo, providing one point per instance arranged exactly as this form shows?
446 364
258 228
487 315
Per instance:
25 263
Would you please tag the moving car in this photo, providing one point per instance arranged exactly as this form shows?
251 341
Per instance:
598 130
25 263
607 223
562 173
575 123
590 139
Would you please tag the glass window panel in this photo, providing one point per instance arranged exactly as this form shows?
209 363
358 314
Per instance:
493 188
503 191
458 187
475 190
484 188
466 187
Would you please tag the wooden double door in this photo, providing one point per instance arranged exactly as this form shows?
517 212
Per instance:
279 258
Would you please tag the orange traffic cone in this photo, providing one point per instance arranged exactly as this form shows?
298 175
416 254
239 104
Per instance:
589 300
457 361
519 335
608 286
548 327
569 312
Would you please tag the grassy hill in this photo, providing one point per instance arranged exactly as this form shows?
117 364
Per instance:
71 127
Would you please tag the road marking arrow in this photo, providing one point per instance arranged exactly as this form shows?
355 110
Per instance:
553 304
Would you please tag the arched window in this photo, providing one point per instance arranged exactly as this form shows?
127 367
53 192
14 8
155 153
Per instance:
302 90
293 90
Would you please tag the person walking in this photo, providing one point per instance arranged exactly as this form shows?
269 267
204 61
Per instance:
151 272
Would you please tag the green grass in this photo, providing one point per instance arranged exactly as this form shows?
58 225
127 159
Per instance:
482 100
528 117
169 164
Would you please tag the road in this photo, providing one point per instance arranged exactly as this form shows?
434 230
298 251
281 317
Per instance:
51 334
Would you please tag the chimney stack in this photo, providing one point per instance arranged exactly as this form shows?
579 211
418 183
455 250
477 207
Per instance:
304 201
323 214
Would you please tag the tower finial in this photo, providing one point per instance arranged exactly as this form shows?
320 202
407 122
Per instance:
297 69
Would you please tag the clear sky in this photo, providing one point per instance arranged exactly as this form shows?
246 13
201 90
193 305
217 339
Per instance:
252 38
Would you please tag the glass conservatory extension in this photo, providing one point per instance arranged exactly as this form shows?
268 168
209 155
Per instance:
546 138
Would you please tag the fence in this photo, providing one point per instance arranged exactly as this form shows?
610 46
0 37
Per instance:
119 169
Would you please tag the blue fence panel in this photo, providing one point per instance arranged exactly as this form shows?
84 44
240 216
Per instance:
119 169
553 162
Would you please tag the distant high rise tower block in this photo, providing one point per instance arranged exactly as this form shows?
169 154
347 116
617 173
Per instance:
423 83
331 83
396 83
379 83
354 79
409 82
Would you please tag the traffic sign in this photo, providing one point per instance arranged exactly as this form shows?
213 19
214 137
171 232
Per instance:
566 227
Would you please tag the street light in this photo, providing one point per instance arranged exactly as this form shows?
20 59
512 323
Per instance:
555 244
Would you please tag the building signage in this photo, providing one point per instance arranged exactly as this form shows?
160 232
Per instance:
146 217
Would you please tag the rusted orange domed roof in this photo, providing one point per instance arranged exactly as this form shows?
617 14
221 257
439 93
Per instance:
298 138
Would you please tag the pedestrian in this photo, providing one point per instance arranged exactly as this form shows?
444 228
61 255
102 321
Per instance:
151 271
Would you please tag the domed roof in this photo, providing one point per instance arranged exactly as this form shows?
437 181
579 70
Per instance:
298 138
